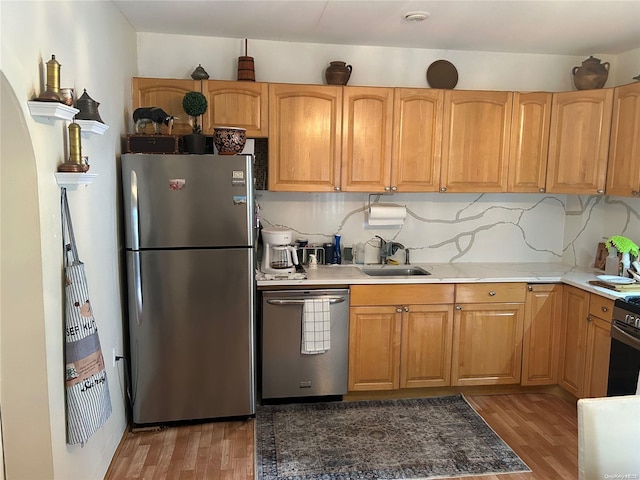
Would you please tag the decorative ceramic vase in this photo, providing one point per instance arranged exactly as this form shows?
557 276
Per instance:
229 140
591 75
338 73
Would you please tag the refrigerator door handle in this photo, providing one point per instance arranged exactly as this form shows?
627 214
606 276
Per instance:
137 285
134 210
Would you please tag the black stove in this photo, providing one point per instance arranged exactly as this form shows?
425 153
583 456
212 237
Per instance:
627 310
624 358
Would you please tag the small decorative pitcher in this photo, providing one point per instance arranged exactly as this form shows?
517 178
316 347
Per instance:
338 73
592 74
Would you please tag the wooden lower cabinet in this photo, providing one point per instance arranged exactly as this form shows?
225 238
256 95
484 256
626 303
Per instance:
596 375
425 346
585 342
541 337
575 309
487 336
374 347
487 344
400 336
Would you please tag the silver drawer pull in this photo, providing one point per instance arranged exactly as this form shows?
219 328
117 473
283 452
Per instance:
332 300
492 293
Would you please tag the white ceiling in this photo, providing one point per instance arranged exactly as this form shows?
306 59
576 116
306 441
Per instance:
575 27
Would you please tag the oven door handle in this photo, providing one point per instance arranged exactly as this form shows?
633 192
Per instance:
624 337
332 300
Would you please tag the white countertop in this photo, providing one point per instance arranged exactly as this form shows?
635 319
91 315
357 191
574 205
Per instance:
335 275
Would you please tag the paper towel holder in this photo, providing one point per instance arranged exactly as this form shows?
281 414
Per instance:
378 194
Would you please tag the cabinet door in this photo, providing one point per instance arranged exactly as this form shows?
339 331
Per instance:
167 94
374 348
237 104
487 344
541 339
427 333
475 146
529 142
573 337
305 125
366 139
417 140
623 175
597 358
579 141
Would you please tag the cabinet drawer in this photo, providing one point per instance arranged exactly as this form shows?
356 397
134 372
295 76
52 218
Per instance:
601 307
401 294
491 292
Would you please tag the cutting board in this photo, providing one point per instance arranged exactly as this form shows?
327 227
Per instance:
630 287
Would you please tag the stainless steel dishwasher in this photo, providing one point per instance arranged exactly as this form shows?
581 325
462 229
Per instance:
286 372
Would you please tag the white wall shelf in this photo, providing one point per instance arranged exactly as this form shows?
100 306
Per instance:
92 126
72 179
52 110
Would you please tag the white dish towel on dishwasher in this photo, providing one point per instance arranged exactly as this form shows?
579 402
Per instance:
316 326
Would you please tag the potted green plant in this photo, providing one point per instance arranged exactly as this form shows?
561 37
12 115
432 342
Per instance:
195 104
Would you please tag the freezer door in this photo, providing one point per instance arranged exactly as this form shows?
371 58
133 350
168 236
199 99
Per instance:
187 200
191 329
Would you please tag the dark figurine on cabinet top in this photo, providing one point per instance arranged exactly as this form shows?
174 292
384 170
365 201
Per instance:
144 115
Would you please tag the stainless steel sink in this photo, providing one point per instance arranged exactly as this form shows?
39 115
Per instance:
392 271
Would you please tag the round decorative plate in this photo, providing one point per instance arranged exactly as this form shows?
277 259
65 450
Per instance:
442 74
615 279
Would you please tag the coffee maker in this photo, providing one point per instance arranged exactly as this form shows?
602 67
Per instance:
278 255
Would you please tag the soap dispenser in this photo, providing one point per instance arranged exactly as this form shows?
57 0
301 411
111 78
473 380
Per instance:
612 263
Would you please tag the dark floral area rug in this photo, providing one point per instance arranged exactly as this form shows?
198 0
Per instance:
417 438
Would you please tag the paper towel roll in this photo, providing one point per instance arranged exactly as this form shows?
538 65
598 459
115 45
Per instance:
387 215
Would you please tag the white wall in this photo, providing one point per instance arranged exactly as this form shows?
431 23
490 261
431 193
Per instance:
572 237
96 48
176 56
628 67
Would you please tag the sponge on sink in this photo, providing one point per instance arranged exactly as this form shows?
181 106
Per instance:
622 244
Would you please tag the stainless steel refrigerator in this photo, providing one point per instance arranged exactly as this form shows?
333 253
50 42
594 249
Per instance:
189 224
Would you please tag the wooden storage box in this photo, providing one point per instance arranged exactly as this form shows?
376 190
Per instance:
153 144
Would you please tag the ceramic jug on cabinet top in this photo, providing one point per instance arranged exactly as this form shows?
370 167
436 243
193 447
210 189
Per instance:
338 73
592 74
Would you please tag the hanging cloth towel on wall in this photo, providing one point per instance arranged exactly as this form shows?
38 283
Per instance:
87 391
316 326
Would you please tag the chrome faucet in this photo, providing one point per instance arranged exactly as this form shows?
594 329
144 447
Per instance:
388 249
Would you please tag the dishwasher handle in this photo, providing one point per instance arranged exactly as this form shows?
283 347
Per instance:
285 301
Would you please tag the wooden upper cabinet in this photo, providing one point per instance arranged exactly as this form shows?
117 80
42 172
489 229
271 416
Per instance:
623 175
237 104
367 126
579 141
475 145
166 93
529 142
417 140
305 126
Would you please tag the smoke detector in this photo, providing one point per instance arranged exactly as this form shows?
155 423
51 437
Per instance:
416 16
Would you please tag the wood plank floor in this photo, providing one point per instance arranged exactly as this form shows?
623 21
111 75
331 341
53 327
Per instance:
540 427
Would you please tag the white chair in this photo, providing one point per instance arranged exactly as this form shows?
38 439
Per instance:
609 438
